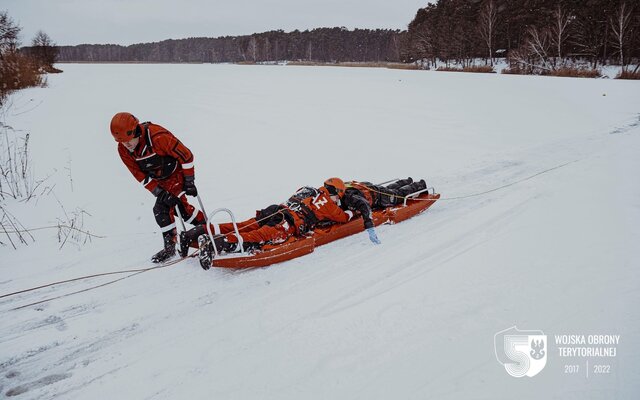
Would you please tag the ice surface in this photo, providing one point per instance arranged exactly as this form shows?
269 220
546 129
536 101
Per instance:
413 318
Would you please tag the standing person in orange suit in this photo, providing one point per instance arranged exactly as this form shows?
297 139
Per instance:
164 166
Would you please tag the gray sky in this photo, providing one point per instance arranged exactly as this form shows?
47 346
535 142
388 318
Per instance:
133 21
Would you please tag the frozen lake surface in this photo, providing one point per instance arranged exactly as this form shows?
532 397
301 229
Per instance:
554 248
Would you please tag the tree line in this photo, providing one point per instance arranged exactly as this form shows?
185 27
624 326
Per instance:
320 45
535 35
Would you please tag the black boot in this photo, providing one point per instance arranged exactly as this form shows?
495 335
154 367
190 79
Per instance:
205 254
189 237
251 247
398 184
169 250
412 188
223 245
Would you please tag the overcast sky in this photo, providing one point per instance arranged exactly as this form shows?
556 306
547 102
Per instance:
133 21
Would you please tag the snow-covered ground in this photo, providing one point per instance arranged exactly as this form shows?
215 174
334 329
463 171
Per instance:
413 318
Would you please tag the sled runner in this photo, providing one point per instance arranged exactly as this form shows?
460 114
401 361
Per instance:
294 247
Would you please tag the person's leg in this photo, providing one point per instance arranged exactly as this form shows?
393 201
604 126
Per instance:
382 197
190 237
271 234
174 185
167 226
251 240
190 214
394 194
400 183
243 226
412 188
226 230
268 216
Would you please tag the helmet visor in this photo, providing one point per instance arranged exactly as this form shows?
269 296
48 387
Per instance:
333 191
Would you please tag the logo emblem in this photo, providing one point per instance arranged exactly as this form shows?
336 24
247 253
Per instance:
521 352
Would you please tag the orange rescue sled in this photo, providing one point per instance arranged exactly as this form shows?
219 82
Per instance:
300 246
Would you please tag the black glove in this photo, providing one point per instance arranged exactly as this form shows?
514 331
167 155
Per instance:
168 199
189 186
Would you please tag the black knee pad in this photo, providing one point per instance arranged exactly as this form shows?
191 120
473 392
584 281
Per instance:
161 213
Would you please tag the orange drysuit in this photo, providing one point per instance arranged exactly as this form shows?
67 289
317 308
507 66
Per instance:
160 162
261 231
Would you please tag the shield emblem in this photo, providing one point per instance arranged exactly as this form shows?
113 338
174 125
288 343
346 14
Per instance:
522 353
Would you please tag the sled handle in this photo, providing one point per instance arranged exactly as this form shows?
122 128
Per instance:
202 209
235 228
179 214
415 194
387 182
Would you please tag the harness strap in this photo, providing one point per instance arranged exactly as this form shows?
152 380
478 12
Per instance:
309 219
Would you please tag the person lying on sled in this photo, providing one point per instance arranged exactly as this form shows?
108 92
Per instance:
308 207
272 225
363 197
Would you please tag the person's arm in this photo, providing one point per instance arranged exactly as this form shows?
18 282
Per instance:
173 147
360 204
128 160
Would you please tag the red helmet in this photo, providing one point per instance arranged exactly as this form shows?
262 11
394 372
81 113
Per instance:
335 187
124 127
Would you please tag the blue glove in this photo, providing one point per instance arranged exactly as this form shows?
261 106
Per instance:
372 236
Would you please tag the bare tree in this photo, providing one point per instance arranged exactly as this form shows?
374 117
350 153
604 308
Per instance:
560 30
424 44
9 31
267 49
44 50
589 38
309 50
41 39
253 49
620 23
487 25
538 45
533 55
395 45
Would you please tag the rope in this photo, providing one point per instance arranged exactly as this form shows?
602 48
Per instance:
171 263
134 271
512 183
470 195
76 292
419 199
56 227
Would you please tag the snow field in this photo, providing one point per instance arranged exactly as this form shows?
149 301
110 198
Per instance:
411 318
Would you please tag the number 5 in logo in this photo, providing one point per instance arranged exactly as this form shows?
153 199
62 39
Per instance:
521 352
